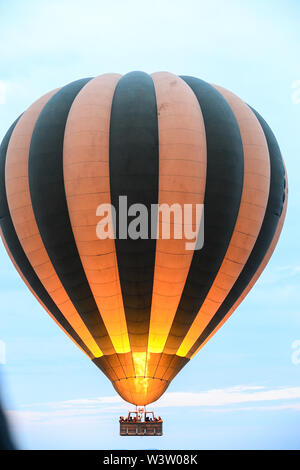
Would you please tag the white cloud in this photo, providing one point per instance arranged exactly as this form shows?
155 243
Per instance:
294 406
229 396
215 400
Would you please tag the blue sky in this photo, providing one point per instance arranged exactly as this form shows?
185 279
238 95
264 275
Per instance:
243 389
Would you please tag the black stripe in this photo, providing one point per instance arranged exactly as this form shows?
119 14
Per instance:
18 253
224 184
49 203
266 234
134 167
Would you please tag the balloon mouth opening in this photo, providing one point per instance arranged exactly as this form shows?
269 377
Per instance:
141 390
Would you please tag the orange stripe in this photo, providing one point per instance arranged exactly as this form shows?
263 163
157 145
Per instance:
86 173
250 217
256 275
19 201
37 298
182 175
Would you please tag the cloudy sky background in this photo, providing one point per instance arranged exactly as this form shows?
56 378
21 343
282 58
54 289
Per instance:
243 389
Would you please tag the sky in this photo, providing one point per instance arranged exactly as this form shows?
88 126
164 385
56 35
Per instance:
242 391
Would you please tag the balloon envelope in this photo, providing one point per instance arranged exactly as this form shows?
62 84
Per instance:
139 305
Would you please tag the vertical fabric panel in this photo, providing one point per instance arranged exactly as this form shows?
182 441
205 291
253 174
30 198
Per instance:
86 173
19 201
18 257
134 167
224 183
250 217
48 198
264 240
182 175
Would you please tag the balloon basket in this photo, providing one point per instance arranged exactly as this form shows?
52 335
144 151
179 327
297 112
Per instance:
141 422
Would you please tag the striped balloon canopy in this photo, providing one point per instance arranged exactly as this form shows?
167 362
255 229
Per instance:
140 307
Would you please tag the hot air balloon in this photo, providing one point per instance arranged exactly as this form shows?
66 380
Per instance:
140 308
